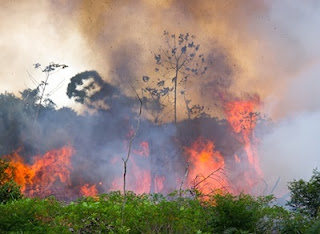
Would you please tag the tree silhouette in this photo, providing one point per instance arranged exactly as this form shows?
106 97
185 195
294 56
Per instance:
176 63
48 70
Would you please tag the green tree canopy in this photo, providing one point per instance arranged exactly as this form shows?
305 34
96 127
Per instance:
305 195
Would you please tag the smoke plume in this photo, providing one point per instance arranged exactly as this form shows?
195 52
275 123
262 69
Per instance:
265 49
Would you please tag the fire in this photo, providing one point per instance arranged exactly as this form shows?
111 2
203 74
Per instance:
236 158
138 177
47 172
206 167
50 174
242 117
23 174
89 191
159 181
141 182
143 149
142 176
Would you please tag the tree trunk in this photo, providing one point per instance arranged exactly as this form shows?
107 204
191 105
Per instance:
175 95
41 98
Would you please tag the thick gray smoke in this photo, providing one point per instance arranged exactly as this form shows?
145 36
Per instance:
269 48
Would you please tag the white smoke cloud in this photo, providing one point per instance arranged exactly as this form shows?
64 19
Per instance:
32 32
291 151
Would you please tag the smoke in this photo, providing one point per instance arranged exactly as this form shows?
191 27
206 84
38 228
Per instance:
290 149
252 47
264 48
39 32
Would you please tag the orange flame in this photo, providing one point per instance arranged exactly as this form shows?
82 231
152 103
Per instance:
242 117
236 158
89 191
40 178
206 167
138 178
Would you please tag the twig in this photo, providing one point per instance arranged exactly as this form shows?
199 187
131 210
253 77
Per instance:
275 186
205 178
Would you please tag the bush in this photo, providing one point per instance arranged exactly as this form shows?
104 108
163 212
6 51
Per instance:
153 213
305 195
31 215
142 214
9 190
243 213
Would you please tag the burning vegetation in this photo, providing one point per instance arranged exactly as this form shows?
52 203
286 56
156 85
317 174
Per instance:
47 175
173 147
163 130
205 153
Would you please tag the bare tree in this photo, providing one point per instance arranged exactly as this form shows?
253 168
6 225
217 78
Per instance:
48 70
125 160
176 63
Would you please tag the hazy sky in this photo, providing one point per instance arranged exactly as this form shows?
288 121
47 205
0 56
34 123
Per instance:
270 45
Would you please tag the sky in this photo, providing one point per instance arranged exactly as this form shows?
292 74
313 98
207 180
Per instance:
268 48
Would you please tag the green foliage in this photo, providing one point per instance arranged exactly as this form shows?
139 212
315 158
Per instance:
31 215
156 213
295 223
153 213
90 215
9 190
241 213
315 227
6 172
305 195
142 214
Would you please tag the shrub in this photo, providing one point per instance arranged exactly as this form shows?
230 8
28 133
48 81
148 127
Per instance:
142 214
243 213
9 190
305 195
31 215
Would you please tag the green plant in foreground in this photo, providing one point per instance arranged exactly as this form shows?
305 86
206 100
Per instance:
9 190
305 195
153 213
31 215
